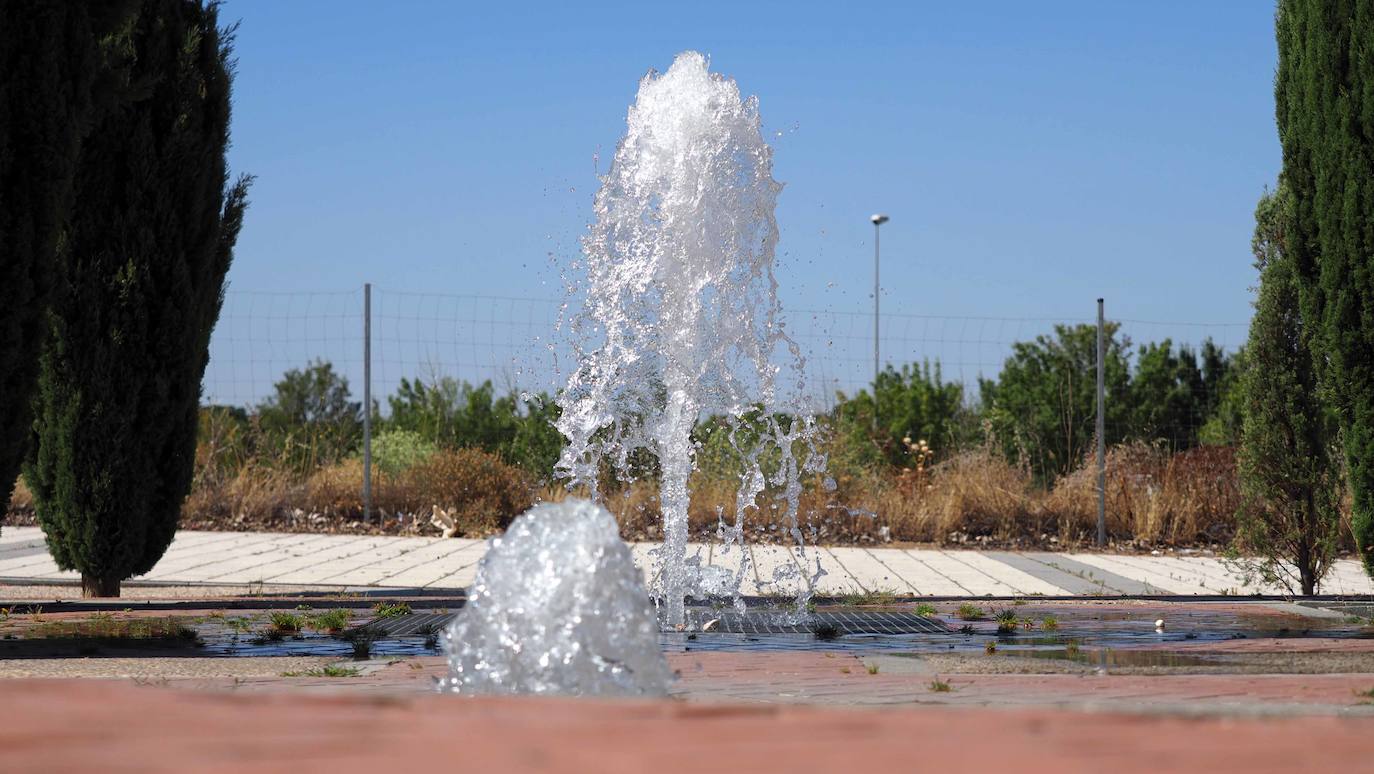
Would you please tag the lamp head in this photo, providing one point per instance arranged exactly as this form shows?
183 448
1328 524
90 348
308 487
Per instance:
879 219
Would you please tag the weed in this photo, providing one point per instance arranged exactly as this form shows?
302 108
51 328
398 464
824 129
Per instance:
1028 624
361 640
844 670
106 629
329 670
267 637
966 629
391 609
826 632
872 668
332 622
1018 602
1049 623
874 597
970 612
1006 621
286 623
939 686
990 648
925 610
1071 648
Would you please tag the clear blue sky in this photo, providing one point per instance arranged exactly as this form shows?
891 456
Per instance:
1033 156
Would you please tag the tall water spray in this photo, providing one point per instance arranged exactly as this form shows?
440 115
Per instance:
681 318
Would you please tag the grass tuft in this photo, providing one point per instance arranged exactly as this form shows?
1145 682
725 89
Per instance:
286 623
332 622
391 609
330 670
971 612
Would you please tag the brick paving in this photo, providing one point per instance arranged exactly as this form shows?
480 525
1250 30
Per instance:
106 726
351 562
750 710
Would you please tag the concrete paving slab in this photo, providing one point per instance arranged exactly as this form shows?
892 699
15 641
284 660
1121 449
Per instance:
406 562
1090 579
429 573
1151 574
1024 582
977 581
919 574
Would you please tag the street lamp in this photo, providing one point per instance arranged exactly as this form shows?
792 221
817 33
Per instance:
878 220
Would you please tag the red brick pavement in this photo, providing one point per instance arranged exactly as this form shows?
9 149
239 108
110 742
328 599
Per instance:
81 726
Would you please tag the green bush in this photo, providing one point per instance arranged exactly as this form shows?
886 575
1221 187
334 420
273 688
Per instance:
396 451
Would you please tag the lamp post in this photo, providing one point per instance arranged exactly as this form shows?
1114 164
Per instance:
878 220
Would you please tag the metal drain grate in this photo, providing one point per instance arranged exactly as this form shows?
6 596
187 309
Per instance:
727 622
847 622
413 625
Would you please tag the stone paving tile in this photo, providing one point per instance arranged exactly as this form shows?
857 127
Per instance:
977 581
861 570
919 574
1091 579
239 565
1016 577
767 560
1152 574
414 562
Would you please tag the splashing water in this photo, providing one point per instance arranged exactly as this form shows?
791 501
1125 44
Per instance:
681 321
557 607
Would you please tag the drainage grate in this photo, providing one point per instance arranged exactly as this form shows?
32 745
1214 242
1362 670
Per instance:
848 622
727 622
413 625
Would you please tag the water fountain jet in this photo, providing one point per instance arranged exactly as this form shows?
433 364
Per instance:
681 318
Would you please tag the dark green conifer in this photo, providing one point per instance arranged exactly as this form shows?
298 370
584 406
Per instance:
1324 93
150 238
50 65
1288 462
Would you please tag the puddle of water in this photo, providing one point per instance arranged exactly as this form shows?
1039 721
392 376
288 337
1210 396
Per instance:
1108 658
1127 638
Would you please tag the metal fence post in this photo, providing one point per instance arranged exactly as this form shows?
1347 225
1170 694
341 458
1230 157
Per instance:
1101 429
367 402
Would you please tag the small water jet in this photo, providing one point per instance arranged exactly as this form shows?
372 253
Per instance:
681 321
557 607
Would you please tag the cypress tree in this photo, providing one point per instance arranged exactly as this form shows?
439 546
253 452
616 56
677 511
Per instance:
1324 95
1288 471
50 64
149 242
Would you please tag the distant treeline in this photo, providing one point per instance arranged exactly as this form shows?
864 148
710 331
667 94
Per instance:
1040 412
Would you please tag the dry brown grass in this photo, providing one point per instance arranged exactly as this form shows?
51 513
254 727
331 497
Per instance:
21 499
481 491
1156 497
1153 497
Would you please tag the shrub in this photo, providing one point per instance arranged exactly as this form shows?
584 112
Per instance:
484 493
396 451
